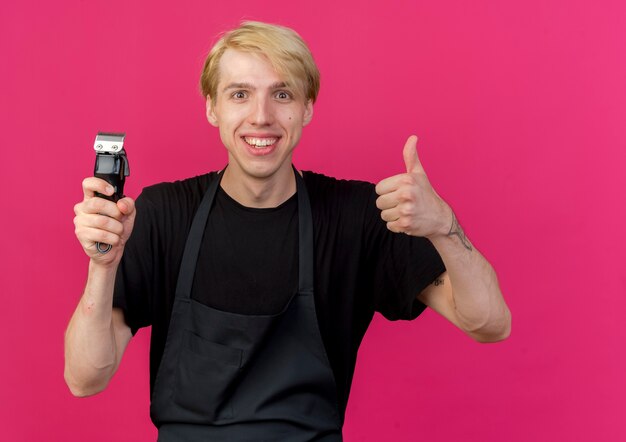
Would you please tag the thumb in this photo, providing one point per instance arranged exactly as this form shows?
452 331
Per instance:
126 205
411 160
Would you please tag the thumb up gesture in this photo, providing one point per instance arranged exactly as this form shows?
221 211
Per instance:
408 202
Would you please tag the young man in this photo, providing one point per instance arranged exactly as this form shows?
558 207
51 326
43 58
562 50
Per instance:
259 281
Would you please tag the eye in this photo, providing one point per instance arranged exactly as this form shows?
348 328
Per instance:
239 95
283 95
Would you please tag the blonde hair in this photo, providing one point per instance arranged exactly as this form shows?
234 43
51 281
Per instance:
283 47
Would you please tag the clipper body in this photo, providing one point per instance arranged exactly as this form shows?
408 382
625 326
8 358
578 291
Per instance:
112 166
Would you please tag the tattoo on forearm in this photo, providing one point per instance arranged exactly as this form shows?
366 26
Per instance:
438 282
456 230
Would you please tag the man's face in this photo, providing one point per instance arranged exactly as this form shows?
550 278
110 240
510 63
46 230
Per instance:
259 117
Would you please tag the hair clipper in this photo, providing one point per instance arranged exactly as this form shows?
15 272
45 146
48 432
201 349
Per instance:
112 166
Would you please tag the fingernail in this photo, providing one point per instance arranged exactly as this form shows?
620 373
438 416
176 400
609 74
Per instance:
110 189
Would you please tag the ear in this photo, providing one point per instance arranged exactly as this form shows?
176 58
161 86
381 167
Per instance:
210 112
308 113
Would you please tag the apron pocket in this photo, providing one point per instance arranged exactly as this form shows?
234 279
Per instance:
205 377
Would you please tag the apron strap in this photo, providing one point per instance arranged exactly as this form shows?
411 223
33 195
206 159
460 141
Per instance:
306 245
194 240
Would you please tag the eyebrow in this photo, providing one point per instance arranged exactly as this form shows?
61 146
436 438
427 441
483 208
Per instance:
277 85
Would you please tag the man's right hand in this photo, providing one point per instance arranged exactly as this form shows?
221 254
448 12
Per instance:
103 221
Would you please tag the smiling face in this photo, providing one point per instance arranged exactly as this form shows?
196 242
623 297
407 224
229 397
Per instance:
259 116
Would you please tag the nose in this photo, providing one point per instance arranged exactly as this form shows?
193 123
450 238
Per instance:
261 113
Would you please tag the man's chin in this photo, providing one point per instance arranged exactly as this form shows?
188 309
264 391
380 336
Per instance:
256 172
261 168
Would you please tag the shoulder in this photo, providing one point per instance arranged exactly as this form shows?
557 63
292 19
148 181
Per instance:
327 190
170 205
181 192
319 180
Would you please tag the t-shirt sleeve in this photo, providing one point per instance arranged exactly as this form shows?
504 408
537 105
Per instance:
401 266
133 282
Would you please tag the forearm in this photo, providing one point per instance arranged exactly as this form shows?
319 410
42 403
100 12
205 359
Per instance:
90 345
478 302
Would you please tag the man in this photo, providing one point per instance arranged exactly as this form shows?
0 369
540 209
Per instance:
259 281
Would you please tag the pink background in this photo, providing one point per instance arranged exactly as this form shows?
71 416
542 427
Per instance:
520 109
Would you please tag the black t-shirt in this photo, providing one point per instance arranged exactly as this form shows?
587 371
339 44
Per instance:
248 263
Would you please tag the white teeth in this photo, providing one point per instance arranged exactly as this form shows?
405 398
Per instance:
260 142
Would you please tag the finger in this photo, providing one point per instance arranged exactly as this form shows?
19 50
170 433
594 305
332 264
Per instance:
411 160
88 236
390 184
387 201
390 214
102 207
91 185
99 222
395 227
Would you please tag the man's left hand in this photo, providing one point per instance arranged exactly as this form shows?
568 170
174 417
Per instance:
408 202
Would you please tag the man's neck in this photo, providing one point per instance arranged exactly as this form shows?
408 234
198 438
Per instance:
259 192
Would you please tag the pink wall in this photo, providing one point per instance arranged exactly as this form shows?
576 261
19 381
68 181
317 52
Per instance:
520 108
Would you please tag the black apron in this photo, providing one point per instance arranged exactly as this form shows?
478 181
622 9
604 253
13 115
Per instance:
227 377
